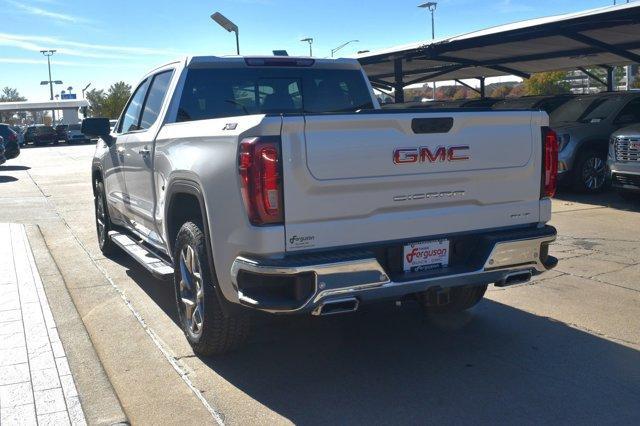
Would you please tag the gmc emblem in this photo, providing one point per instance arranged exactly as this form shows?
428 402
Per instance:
425 155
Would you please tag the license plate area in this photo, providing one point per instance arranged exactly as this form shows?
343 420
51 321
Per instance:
426 256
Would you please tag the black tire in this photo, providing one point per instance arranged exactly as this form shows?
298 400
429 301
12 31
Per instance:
209 329
103 222
590 172
460 299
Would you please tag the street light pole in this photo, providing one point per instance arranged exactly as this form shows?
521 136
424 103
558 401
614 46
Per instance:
85 89
333 51
431 6
310 41
225 23
49 53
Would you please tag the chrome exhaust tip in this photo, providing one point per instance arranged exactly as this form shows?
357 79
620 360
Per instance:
337 306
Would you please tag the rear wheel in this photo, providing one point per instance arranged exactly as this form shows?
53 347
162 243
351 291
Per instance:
590 172
457 299
103 222
208 328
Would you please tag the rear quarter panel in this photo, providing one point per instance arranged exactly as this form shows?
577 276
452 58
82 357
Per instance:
203 153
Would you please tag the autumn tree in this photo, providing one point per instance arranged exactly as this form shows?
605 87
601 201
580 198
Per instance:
547 83
501 91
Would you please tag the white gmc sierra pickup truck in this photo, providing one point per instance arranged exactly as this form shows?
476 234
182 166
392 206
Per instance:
278 184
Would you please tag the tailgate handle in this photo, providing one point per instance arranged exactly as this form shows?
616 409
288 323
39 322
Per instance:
431 125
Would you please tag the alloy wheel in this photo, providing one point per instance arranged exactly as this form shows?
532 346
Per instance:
191 291
101 219
594 173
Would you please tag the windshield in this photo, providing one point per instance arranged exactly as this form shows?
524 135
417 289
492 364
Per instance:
214 93
586 110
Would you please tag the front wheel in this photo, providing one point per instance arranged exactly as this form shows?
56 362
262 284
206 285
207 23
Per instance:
590 172
458 299
208 328
103 222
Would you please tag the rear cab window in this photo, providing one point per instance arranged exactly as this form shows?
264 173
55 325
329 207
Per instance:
226 92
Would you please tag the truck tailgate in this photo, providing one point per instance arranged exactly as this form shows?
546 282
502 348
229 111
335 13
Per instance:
369 177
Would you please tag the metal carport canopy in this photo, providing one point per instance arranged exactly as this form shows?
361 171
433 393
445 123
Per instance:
607 36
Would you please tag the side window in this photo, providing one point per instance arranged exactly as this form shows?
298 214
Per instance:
155 98
131 116
631 113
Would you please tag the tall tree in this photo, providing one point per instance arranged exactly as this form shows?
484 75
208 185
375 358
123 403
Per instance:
547 83
96 98
9 94
116 99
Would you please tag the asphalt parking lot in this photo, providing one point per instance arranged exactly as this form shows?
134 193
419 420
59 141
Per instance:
564 348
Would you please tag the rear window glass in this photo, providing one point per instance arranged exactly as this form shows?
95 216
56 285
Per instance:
586 109
44 130
214 93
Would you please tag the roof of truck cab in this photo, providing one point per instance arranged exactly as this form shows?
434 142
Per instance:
196 61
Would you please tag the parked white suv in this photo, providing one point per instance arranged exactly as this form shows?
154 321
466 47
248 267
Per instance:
277 184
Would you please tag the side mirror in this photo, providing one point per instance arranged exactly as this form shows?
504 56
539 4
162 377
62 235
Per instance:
96 127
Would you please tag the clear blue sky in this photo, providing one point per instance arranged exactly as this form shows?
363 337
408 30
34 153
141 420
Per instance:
103 41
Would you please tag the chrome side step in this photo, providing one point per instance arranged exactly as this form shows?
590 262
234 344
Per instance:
152 263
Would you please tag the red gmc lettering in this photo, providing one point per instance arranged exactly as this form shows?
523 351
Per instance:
426 155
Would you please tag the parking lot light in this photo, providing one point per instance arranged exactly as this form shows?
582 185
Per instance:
310 41
333 51
225 23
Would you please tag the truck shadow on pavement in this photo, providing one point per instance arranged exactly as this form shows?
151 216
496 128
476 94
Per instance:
390 365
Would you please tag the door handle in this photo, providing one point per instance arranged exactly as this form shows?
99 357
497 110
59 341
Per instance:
144 152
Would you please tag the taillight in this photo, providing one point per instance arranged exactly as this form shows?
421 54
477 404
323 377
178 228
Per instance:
549 163
261 180
13 137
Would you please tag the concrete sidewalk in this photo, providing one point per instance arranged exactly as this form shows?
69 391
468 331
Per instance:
36 384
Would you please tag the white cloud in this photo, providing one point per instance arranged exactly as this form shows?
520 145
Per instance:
35 43
38 11
26 61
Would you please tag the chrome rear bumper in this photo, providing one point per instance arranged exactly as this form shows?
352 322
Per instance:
366 279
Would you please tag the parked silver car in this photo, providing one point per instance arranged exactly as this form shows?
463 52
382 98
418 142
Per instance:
584 126
624 161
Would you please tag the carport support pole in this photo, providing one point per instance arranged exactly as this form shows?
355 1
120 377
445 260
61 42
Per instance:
398 84
482 88
609 79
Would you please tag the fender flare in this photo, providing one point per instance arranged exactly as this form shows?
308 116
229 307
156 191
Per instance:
192 187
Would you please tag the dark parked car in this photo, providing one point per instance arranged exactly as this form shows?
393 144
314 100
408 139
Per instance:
11 142
61 132
20 132
584 126
2 159
624 161
544 103
40 135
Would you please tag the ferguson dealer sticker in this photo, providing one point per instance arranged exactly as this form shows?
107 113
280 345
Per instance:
301 241
426 255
